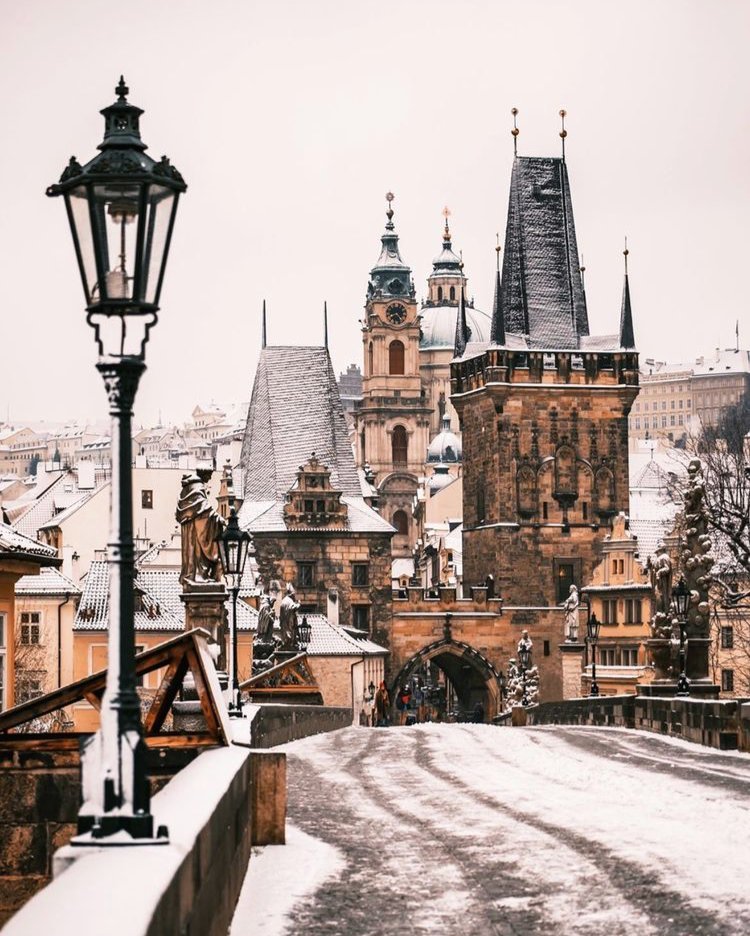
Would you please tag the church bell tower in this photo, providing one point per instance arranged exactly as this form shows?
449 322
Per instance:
393 419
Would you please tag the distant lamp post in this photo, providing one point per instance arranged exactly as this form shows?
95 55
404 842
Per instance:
121 207
592 632
681 599
234 546
304 633
524 658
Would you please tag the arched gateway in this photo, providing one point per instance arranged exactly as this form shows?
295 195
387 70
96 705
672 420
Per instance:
473 678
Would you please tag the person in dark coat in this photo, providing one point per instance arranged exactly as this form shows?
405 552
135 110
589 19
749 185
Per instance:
382 706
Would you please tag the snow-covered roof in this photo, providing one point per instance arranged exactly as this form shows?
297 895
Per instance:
17 545
48 582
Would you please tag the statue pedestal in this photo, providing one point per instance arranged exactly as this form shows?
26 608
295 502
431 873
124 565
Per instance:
204 607
572 668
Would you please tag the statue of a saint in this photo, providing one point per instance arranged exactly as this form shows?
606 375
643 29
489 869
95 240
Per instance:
661 578
570 606
266 618
201 527
288 618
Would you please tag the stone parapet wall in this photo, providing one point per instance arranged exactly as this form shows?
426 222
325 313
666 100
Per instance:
712 723
276 724
40 793
719 724
602 711
189 885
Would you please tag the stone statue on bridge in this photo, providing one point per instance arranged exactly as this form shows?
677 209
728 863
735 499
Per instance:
201 526
288 618
570 606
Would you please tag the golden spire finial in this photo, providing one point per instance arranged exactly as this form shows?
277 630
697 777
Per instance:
446 215
389 196
515 131
498 248
625 254
563 131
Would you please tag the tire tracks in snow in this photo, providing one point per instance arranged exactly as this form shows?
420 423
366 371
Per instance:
668 910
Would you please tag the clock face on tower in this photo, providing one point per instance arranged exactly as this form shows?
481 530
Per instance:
396 314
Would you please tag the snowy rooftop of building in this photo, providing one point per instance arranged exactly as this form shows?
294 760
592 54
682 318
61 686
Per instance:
48 582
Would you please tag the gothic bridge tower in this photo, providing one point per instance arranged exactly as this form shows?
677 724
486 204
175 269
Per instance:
393 420
544 409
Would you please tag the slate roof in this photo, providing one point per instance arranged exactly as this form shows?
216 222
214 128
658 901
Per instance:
16 545
162 609
48 582
42 508
329 639
296 410
542 291
268 517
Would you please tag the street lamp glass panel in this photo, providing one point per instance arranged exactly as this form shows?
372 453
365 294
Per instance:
681 596
80 222
115 211
162 203
304 632
593 625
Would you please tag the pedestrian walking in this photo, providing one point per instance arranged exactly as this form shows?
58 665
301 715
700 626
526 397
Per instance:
382 706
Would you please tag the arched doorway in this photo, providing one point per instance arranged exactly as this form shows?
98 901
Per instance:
467 675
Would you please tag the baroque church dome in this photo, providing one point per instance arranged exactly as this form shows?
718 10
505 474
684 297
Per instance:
445 448
440 310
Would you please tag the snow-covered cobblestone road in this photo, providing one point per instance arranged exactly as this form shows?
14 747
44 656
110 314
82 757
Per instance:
471 829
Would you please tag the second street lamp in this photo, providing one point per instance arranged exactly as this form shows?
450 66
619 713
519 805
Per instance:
234 546
681 599
121 208
592 632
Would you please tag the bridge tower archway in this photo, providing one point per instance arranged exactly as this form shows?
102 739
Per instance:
472 676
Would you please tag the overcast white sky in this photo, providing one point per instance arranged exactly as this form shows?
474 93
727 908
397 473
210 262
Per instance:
290 120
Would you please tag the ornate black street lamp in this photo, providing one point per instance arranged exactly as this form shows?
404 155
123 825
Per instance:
121 207
592 632
234 547
370 692
681 599
304 633
524 658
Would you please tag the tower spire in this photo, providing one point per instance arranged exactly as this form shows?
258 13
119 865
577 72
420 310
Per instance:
462 329
264 333
497 335
627 334
325 324
515 131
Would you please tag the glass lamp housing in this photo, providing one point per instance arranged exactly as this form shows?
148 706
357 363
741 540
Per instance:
121 208
592 626
234 545
681 597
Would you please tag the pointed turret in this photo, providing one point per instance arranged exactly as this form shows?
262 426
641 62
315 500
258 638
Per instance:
463 334
390 276
497 335
627 335
542 294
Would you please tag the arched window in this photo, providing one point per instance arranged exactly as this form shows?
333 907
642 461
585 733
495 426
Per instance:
369 360
453 293
440 293
399 445
401 522
396 357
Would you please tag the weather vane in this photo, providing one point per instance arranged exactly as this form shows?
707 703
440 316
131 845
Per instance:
563 132
515 131
389 196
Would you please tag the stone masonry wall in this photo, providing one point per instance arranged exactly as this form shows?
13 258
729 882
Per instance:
40 793
277 555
